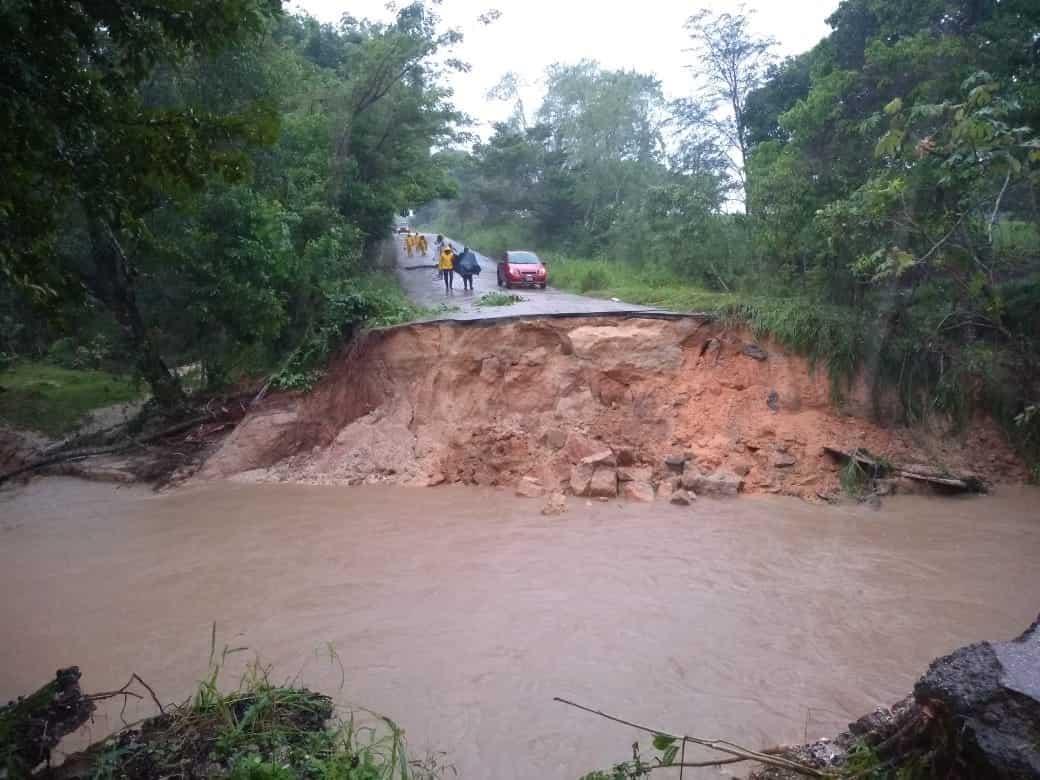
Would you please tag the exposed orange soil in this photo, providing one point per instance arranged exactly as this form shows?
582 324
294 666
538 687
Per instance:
492 403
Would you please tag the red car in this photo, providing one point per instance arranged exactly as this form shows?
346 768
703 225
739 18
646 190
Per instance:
522 269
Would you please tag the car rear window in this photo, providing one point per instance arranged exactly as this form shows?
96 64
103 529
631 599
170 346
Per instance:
524 258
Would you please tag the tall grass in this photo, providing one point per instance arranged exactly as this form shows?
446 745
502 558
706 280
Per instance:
262 730
831 336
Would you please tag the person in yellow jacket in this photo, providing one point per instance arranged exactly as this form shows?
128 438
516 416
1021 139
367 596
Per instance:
446 265
423 245
409 243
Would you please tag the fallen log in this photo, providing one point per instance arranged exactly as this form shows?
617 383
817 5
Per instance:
876 467
72 455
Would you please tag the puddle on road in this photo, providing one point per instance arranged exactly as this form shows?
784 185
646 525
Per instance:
462 612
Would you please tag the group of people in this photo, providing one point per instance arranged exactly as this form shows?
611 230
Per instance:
451 262
416 242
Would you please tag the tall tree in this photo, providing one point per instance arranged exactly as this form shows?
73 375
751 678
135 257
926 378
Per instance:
730 63
81 144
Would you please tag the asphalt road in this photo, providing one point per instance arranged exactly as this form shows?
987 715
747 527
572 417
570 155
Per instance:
423 285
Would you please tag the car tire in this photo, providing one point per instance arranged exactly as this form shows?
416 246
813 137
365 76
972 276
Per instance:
542 286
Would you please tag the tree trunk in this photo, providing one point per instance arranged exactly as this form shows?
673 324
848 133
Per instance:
112 284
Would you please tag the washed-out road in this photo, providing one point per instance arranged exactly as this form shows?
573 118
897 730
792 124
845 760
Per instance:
422 283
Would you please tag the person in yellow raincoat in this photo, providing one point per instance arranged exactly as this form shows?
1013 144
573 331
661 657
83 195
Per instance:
409 243
423 245
446 265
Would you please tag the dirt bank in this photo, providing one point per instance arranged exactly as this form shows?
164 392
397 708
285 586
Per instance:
492 404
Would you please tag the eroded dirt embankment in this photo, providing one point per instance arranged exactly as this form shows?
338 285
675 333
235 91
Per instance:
492 404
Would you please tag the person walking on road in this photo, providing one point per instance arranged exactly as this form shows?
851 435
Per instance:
446 265
423 245
409 244
467 265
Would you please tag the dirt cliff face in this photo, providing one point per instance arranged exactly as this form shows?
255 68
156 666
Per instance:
491 404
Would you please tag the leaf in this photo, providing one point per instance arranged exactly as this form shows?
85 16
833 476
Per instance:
668 757
663 741
894 106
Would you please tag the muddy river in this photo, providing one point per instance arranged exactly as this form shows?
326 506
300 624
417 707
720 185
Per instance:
461 612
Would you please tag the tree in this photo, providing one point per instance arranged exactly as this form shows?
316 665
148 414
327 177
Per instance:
731 63
82 144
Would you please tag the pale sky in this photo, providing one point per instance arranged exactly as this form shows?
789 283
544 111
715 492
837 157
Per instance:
645 35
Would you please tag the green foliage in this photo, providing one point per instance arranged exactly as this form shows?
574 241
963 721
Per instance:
375 300
219 175
835 337
53 399
261 730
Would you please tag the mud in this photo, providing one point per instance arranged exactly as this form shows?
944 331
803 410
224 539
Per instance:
491 404
462 612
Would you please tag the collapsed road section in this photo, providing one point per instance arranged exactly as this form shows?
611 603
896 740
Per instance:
646 407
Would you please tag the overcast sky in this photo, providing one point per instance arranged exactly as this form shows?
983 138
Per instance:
646 35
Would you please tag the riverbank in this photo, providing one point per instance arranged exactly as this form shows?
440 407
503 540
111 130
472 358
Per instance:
461 612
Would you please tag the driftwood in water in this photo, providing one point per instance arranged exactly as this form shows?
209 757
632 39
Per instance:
875 468
32 726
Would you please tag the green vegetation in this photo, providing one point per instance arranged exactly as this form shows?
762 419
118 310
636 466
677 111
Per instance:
262 730
498 299
210 183
53 400
888 183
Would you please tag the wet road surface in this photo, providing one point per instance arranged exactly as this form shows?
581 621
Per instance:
462 612
423 285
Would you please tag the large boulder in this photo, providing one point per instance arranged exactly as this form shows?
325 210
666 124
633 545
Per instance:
600 458
974 714
604 483
581 476
720 483
635 474
987 696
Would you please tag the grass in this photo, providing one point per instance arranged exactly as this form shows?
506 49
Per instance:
829 335
54 400
261 730
498 299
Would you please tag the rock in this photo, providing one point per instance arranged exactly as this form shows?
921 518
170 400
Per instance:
638 491
603 483
529 487
635 474
581 477
556 438
600 458
783 460
625 457
987 696
556 504
675 462
773 401
681 498
755 352
721 483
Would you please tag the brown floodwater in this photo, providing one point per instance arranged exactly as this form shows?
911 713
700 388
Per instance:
461 613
